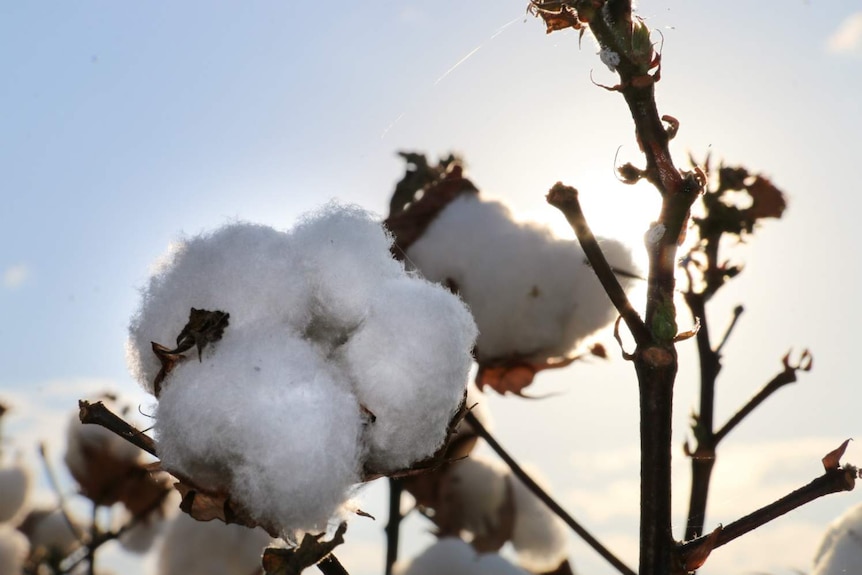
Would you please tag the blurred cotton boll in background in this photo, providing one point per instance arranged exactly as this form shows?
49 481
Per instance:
451 555
330 364
14 548
840 552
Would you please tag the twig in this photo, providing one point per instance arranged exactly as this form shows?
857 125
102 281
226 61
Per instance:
737 311
565 199
396 487
785 377
833 481
98 414
330 565
545 497
61 498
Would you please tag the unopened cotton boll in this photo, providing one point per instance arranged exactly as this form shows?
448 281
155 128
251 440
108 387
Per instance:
409 361
532 295
243 269
266 420
14 487
14 549
210 548
453 556
840 551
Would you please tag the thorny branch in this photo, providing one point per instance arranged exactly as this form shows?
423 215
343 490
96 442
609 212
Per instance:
545 497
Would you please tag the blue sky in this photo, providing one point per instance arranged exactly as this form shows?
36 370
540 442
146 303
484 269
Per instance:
126 124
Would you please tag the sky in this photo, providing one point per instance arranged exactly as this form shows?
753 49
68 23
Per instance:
126 125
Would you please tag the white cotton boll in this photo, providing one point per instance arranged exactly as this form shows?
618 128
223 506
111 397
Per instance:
533 295
51 532
475 489
267 420
344 256
246 270
840 551
14 487
14 549
210 548
539 537
409 361
453 556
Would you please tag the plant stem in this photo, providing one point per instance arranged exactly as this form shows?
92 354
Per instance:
396 487
98 414
522 475
833 481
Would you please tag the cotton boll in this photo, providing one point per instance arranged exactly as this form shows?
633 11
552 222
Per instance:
453 556
533 295
409 361
50 532
344 257
14 487
266 420
840 551
14 549
210 548
246 270
539 536
472 496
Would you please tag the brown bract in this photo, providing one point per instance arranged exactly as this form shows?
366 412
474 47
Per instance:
514 374
410 223
311 551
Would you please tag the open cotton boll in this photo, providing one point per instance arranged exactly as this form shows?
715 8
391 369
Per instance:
533 295
14 487
453 556
472 495
244 269
210 548
264 418
50 532
344 255
840 551
539 536
14 549
409 361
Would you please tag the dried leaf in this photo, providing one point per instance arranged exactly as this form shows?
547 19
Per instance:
206 506
310 552
513 375
832 460
695 560
767 201
556 15
203 327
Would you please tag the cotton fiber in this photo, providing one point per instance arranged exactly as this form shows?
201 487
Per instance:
452 555
335 364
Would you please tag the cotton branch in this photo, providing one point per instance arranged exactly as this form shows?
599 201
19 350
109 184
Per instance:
787 376
833 481
396 487
98 414
545 497
565 199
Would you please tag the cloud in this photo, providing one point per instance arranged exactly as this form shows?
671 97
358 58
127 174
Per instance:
847 39
15 276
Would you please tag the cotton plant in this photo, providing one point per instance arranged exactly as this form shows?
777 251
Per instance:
306 362
533 295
